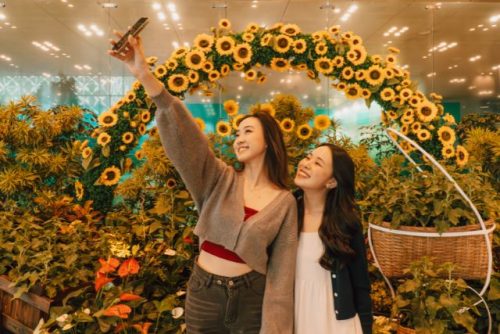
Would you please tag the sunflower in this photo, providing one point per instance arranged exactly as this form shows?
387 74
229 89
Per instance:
348 35
393 50
139 155
408 113
389 73
179 53
448 151
160 71
223 128
224 24
405 83
426 111
280 64
193 76
365 93
416 126
238 66
435 96
301 67
287 125
87 151
236 121
172 64
322 122
195 59
151 61
304 131
334 29
103 139
252 27
323 65
356 41
267 108
136 85
390 60
321 48
153 132
405 129
266 39
392 114
347 73
387 94
311 74
414 100
145 116
299 46
357 55
262 79
353 91
130 96
341 86
107 119
360 75
374 75
243 53
250 75
424 135
376 59
338 61
248 37
142 129
407 120
225 46
123 147
208 66
110 176
225 69
200 123
178 83
282 43
231 107
318 35
462 155
204 42
213 75
128 137
446 135
449 118
405 93
290 29
171 183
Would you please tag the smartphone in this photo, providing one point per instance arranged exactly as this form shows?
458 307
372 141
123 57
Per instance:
134 31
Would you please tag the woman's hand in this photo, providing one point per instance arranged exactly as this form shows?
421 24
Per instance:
132 55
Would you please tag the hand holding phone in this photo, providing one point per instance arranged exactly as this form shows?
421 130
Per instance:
133 31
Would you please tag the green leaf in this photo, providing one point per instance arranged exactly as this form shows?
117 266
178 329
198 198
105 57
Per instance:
494 293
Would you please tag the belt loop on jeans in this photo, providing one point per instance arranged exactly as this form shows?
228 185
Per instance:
209 280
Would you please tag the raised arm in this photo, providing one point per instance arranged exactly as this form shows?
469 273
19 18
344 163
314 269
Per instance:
184 143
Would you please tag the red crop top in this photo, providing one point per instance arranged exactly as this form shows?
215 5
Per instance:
222 252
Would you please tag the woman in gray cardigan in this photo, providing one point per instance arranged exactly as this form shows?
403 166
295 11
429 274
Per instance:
332 287
242 281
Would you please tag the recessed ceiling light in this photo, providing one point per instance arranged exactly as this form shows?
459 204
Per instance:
2 16
171 7
161 16
475 58
156 6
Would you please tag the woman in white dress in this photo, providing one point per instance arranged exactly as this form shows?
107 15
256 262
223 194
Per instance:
332 287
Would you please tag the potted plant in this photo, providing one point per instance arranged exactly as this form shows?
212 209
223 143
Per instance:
428 303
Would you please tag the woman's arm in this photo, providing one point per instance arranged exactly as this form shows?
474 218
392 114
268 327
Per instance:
184 143
278 305
358 271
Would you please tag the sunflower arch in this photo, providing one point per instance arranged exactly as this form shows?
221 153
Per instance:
339 56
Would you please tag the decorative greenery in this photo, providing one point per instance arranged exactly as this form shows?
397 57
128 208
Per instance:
403 196
430 304
484 120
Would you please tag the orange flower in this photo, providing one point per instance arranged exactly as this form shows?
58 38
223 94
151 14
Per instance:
119 310
126 297
108 266
129 267
101 280
143 327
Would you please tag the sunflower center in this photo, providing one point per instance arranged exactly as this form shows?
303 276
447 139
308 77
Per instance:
110 175
225 45
282 43
196 59
375 75
446 135
352 91
280 63
204 43
324 65
290 31
108 119
426 111
243 52
178 82
304 131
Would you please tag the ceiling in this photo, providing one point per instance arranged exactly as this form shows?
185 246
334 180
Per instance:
469 25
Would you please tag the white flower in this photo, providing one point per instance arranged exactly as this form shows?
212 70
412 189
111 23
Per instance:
62 318
86 311
170 252
177 312
180 293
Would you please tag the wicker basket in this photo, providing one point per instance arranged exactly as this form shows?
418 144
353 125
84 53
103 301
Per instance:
395 252
405 330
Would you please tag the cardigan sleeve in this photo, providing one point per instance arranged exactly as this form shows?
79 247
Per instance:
278 304
187 147
358 270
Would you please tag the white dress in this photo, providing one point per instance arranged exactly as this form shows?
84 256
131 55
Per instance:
314 309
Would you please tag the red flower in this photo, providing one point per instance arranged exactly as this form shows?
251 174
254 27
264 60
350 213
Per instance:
187 239
119 310
101 280
129 267
143 327
108 266
125 297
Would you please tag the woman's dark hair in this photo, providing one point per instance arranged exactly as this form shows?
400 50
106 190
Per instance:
276 155
340 217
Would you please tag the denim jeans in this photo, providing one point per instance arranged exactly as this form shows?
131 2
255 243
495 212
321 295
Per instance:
218 305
